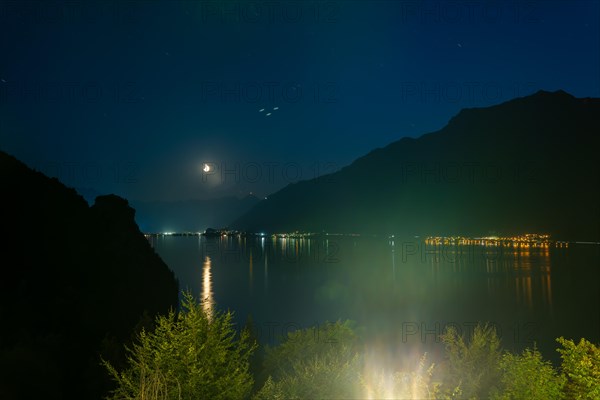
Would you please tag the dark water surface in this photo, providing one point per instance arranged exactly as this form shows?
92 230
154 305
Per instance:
401 293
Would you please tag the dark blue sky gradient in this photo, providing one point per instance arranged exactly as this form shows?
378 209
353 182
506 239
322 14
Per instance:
132 97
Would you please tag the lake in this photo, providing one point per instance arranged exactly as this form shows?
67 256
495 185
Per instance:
401 293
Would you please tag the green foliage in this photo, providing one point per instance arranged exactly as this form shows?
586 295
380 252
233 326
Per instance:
321 363
528 377
193 356
472 365
187 356
581 368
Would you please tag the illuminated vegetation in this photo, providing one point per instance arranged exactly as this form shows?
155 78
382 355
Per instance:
313 363
472 365
187 356
192 355
581 367
528 376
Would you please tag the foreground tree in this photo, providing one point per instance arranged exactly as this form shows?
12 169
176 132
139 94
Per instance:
581 368
316 363
189 355
528 376
472 365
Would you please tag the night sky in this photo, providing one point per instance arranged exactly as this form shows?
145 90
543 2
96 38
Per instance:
134 97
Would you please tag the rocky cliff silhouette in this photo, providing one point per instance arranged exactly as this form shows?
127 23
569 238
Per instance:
76 280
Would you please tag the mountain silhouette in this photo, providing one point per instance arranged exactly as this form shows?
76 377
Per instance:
526 165
190 215
76 280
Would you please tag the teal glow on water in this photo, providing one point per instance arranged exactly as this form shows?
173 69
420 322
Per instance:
401 293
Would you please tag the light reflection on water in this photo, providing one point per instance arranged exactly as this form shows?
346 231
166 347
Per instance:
529 267
391 287
207 301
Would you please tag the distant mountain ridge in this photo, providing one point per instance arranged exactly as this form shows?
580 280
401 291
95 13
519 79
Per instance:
529 164
193 215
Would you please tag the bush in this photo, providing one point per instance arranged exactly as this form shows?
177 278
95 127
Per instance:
581 368
527 376
472 366
316 363
187 356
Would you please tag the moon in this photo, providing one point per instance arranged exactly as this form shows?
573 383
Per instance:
206 168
